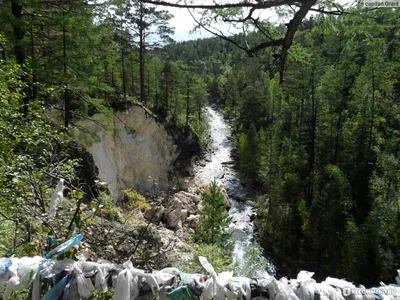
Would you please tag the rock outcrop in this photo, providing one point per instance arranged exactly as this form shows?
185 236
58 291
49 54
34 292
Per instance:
136 152
180 210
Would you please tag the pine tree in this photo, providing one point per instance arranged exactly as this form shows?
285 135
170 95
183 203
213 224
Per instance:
148 23
213 218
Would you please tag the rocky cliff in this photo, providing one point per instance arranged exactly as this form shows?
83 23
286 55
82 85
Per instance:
136 151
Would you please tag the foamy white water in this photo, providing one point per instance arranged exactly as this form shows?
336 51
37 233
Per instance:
220 166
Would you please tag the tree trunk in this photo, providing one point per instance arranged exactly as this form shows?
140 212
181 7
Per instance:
371 127
187 100
166 97
123 69
141 55
313 122
132 81
3 52
156 86
34 75
66 94
339 123
313 134
175 97
148 91
19 51
19 33
199 112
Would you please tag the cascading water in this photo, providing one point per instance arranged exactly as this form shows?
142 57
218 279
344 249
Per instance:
219 165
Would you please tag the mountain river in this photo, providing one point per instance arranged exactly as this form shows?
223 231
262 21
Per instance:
219 164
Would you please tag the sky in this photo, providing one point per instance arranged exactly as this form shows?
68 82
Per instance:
183 22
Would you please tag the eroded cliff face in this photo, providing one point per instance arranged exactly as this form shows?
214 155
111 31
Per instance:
136 153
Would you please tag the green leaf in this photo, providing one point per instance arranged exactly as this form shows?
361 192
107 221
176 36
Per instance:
4 243
90 222
46 230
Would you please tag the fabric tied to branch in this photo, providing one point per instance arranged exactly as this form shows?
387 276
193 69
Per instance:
58 196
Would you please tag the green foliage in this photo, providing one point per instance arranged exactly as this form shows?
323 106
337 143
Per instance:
250 145
200 128
254 262
213 218
106 208
135 200
100 295
322 146
219 256
305 217
34 154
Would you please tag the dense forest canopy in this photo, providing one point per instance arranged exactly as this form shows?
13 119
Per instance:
320 145
323 146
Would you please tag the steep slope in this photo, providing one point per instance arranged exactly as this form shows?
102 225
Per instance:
136 152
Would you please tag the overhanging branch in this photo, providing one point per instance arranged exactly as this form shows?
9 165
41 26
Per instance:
220 35
304 7
291 30
260 5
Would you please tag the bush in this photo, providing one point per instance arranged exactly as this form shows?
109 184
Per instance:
135 200
220 257
106 207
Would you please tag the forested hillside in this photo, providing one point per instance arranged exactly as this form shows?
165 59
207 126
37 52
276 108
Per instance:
323 146
62 63
317 132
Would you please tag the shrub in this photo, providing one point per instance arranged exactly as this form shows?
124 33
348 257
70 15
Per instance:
135 200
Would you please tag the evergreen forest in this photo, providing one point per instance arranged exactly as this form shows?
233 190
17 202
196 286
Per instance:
315 120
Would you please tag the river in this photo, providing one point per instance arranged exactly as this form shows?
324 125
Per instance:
219 165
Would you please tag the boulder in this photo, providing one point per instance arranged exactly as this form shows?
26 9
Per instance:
253 217
189 201
155 214
169 240
193 220
173 213
196 199
184 215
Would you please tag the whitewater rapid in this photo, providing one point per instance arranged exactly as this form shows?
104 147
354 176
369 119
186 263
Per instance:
219 165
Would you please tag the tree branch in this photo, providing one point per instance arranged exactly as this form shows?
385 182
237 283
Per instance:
248 17
291 30
256 22
264 45
260 5
220 35
304 7
6 217
337 12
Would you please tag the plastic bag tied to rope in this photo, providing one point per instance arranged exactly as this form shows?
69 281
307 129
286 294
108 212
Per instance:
73 280
182 292
20 274
58 289
50 268
215 286
64 247
5 263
